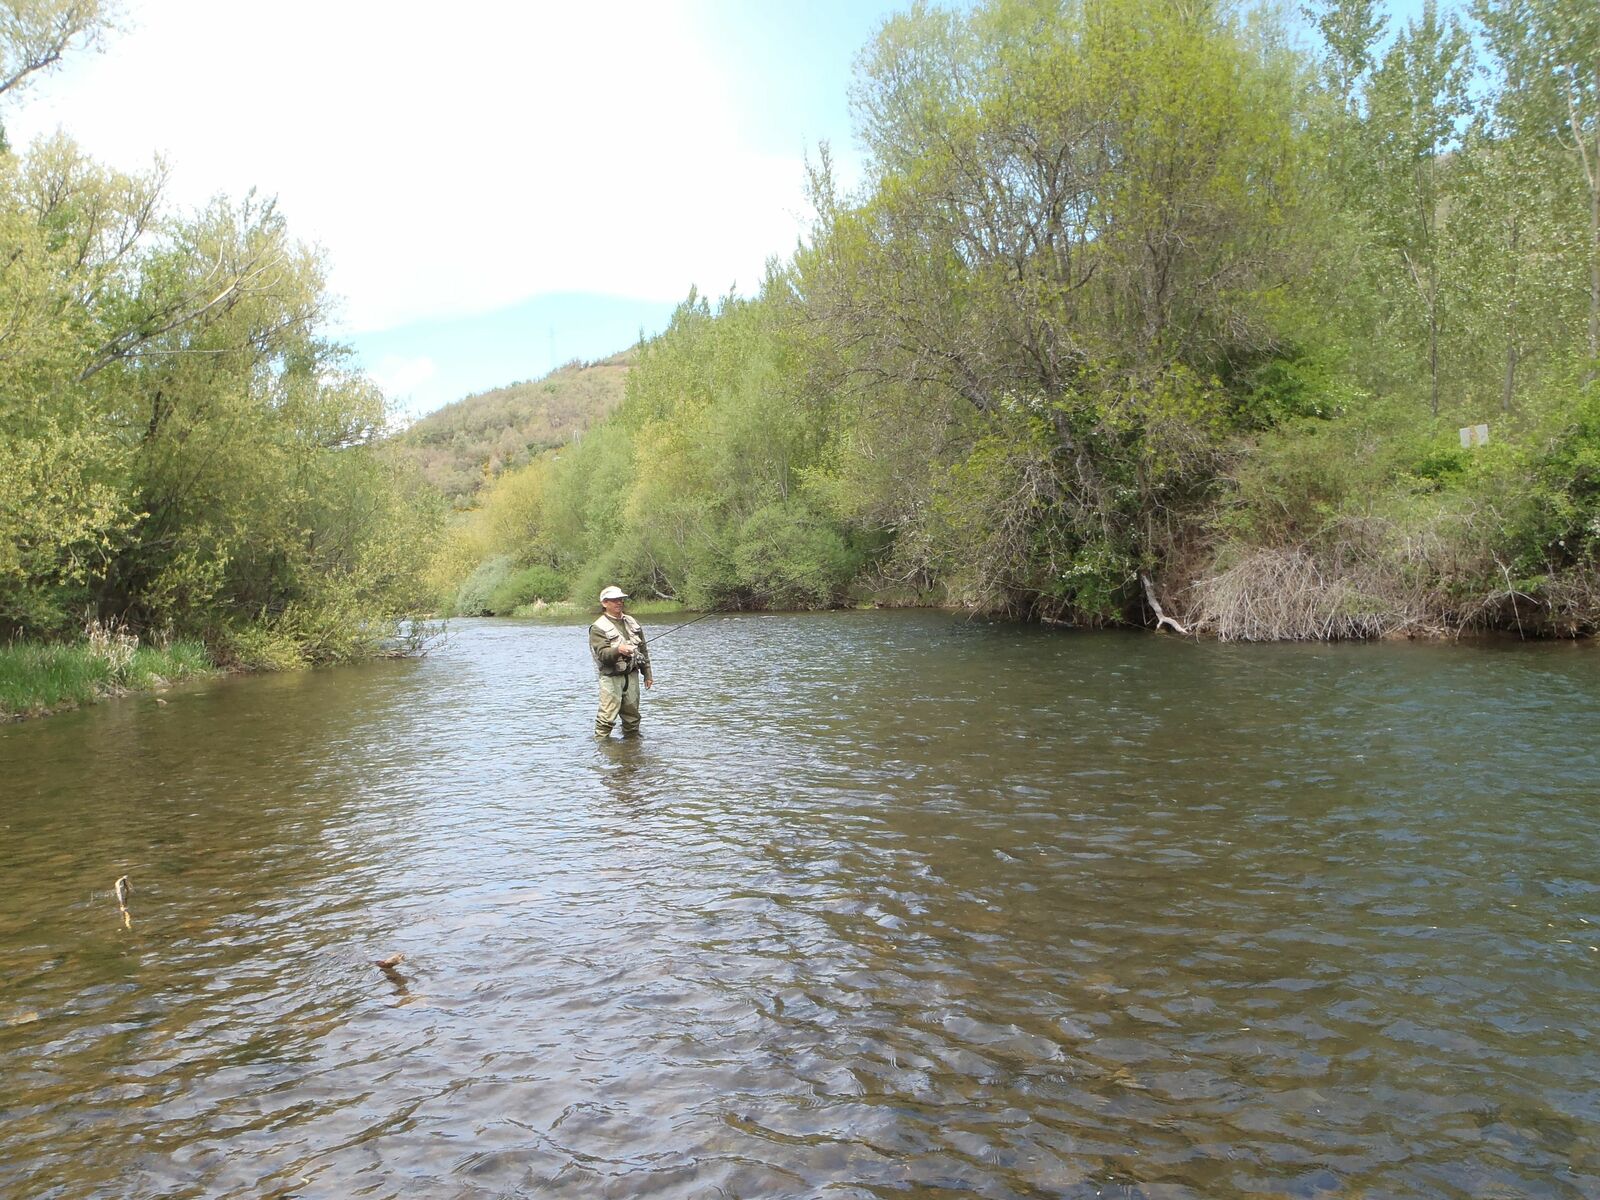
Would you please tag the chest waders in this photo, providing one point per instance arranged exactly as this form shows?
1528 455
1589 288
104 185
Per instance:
619 694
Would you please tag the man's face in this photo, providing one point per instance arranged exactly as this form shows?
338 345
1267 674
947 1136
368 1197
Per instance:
613 607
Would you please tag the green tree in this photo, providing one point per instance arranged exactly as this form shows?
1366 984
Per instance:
1549 54
1080 217
72 230
1417 104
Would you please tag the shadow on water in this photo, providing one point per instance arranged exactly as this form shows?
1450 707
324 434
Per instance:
879 904
625 766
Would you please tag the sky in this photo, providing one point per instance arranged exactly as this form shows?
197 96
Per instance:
498 188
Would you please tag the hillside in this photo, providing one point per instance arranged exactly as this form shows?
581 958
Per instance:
465 444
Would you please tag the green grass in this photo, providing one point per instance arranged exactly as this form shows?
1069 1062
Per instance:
37 678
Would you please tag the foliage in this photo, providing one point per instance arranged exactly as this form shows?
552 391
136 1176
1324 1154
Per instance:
472 598
1137 300
465 446
523 588
1133 299
46 677
790 557
180 446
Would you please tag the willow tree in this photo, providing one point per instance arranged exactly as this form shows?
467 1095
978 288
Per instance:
73 232
1081 221
180 445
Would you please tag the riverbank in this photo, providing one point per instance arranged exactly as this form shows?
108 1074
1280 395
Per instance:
38 679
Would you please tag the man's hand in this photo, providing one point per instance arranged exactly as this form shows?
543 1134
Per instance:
625 648
649 683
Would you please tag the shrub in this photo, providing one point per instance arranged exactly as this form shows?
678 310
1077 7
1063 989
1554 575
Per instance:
522 588
1287 389
787 556
256 648
472 599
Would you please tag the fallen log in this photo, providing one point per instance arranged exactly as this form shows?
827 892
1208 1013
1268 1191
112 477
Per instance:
1155 606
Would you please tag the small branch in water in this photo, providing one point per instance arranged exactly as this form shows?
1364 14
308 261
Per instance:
1155 606
120 887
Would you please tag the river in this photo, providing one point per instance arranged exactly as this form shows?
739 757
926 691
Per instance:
881 904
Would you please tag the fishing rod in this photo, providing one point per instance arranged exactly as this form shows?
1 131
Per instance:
656 637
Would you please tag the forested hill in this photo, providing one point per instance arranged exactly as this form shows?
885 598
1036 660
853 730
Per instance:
466 444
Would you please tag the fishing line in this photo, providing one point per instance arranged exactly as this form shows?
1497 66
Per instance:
656 637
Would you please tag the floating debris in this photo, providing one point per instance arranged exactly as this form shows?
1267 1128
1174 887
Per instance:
122 890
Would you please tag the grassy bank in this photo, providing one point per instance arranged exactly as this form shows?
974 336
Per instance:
37 679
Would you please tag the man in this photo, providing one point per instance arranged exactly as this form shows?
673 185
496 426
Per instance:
617 643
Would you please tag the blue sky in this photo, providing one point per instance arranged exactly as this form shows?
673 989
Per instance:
497 188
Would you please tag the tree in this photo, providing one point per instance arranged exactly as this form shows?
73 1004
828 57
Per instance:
70 230
1080 218
35 34
1549 51
1417 103
1350 30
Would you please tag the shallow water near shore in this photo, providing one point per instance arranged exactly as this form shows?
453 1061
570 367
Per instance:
881 904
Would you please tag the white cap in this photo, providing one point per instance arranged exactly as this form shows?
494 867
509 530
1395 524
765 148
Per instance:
613 593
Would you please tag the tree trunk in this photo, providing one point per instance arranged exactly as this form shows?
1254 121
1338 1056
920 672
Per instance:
1433 352
1510 386
1591 170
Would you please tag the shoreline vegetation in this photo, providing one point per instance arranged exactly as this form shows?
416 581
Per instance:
1139 312
40 679
192 472
1140 315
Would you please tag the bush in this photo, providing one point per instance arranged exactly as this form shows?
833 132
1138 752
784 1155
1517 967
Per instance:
626 564
256 648
787 556
522 588
472 599
1287 389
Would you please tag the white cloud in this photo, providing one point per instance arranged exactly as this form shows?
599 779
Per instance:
450 159
401 377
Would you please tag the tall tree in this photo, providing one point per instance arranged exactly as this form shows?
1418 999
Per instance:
1549 51
1418 103
1350 30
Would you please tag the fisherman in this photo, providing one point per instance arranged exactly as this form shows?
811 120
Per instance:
617 643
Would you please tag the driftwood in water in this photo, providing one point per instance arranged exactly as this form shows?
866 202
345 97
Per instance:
1155 605
120 887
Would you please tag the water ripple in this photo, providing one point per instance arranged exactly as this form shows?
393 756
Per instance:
881 904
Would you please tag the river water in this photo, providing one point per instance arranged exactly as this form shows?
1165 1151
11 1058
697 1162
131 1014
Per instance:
881 904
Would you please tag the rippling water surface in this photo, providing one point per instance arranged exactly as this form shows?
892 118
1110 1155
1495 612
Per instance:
882 904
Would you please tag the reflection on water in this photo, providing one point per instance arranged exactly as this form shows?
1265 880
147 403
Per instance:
880 904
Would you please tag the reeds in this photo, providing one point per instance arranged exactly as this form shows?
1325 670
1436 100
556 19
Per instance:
37 678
